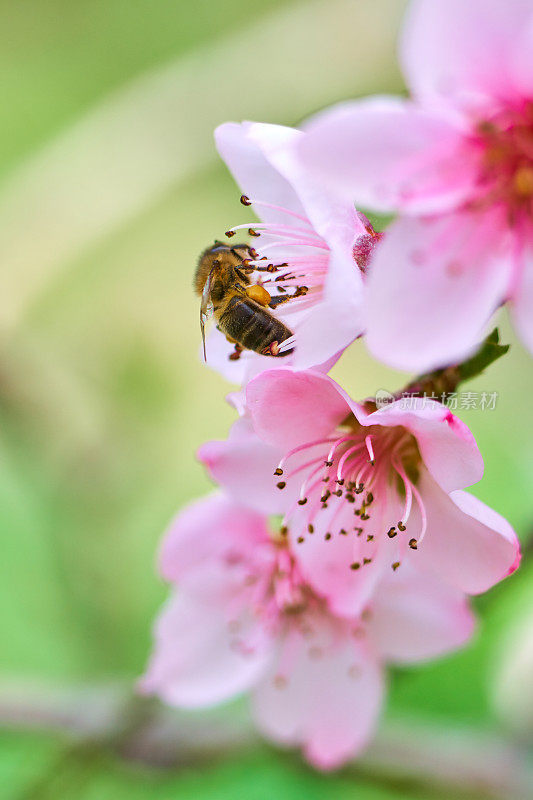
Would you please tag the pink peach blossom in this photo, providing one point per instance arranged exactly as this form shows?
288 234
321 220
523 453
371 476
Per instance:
455 161
311 247
363 491
241 618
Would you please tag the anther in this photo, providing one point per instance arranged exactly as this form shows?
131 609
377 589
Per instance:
253 232
338 493
284 530
302 501
340 481
370 538
229 234
278 471
355 565
328 463
300 539
358 531
369 498
401 526
350 498
395 565
392 532
281 484
245 200
327 537
310 528
367 560
413 544
365 516
343 532
359 488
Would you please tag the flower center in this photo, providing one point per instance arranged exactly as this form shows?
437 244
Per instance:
353 475
506 176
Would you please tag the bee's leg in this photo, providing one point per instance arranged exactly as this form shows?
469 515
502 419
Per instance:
271 350
230 340
301 291
259 294
236 353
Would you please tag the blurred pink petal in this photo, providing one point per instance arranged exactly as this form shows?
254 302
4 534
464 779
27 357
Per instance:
460 53
433 285
456 163
390 154
196 662
244 618
521 308
186 546
329 703
416 617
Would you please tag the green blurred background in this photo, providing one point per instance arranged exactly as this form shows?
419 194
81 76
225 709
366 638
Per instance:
109 188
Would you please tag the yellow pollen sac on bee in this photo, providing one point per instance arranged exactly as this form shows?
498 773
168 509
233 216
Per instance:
523 181
259 294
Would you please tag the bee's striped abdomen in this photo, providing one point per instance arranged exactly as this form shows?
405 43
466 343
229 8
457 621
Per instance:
252 326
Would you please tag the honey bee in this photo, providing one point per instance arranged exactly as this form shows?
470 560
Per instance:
239 306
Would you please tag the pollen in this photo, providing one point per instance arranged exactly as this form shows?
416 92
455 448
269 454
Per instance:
523 181
259 294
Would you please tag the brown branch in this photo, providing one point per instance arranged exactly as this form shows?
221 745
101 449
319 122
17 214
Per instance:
458 759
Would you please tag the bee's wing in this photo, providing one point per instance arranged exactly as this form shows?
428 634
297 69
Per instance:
206 308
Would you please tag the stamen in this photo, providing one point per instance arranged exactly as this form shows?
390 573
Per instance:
247 201
368 443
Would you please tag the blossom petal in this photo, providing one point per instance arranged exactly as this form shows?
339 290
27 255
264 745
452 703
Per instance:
446 444
330 702
433 287
467 543
290 408
197 662
521 64
522 301
325 556
386 154
244 466
206 530
461 54
414 616
254 172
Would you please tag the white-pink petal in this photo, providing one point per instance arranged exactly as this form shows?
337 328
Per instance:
460 54
252 169
434 285
387 154
522 300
